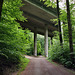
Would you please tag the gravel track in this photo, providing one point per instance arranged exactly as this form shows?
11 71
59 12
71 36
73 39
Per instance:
40 66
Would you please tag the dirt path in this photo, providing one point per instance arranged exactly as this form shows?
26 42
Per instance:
40 66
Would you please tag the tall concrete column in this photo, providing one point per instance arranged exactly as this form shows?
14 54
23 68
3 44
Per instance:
46 42
35 43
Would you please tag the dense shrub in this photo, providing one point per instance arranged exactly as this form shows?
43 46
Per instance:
9 57
61 54
13 40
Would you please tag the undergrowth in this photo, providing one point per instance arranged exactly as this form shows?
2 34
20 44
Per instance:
61 54
23 65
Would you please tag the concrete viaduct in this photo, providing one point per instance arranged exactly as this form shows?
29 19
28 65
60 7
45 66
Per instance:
39 16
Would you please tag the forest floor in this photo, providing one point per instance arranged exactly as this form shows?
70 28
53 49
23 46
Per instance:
40 66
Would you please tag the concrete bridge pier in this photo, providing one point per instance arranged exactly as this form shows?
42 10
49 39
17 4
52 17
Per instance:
46 42
35 42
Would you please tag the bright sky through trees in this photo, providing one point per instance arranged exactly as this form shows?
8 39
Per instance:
62 3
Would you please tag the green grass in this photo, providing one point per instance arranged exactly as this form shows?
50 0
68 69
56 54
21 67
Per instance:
23 65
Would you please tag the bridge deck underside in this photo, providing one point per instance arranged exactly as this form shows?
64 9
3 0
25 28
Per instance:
38 18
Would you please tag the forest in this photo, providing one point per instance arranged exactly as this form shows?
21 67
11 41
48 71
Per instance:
16 42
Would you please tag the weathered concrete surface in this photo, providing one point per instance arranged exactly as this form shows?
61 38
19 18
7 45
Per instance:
46 42
38 17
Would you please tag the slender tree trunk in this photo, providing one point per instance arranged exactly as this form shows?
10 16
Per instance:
59 23
1 3
69 27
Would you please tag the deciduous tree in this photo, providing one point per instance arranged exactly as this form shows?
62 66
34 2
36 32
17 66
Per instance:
59 23
69 27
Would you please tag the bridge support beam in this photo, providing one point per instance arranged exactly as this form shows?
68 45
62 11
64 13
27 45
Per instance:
46 42
35 43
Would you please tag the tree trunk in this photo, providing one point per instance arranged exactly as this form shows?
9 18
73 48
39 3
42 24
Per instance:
59 24
1 3
69 27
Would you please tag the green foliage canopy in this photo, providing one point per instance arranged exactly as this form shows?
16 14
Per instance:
13 40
